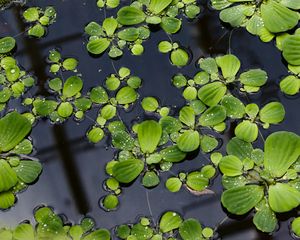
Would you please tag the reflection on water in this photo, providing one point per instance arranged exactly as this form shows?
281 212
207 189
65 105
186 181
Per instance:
73 172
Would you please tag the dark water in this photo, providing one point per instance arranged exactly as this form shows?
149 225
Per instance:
73 173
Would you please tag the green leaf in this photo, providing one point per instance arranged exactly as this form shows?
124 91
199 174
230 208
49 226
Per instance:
170 25
24 231
8 176
110 25
291 49
246 131
208 143
296 226
179 57
110 202
99 234
98 46
254 78
233 182
31 14
239 148
126 95
229 65
93 29
272 113
28 171
169 221
278 18
282 149
122 140
234 107
70 64
264 219
129 34
283 197
241 200
141 232
188 141
36 31
150 179
234 15
190 229
95 135
7 44
150 104
130 16
173 184
72 86
149 134
157 6
99 95
213 116
290 85
170 124
165 47
65 109
128 170
231 166
212 93
44 107
108 112
13 129
197 181
172 154
7 200
187 116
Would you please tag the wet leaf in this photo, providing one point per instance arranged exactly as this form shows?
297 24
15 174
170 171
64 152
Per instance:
128 170
98 46
188 141
28 171
126 95
231 166
95 135
72 86
24 231
196 181
150 179
272 113
246 131
130 16
7 44
264 219
172 154
229 65
173 184
212 93
191 229
179 57
296 226
157 6
149 134
7 200
7 175
213 116
169 221
234 107
170 25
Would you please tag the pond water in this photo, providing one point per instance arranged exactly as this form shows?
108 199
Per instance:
73 169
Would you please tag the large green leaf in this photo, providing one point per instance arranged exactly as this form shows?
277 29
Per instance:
172 154
282 149
191 229
278 18
170 25
239 148
234 15
283 197
231 166
28 171
197 181
213 116
296 226
149 134
24 231
241 200
169 221
212 93
254 78
291 49
234 107
264 219
7 200
72 86
7 44
246 131
187 116
13 129
8 177
130 16
126 95
98 46
229 65
272 113
128 170
188 141
157 6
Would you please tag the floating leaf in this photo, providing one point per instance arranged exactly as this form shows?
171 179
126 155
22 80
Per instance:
246 131
278 18
179 57
129 34
241 200
7 200
36 31
7 175
44 107
24 231
197 181
173 184
28 171
169 221
99 95
254 78
170 25
208 143
157 6
234 107
98 46
126 95
264 219
291 49
7 44
99 234
150 104
189 141
231 166
296 226
213 116
239 148
191 229
72 86
95 135
130 16
282 149
149 134
122 140
283 198
13 129
272 113
150 179
229 65
290 85
128 170
187 116
172 154
93 29
110 25
212 93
